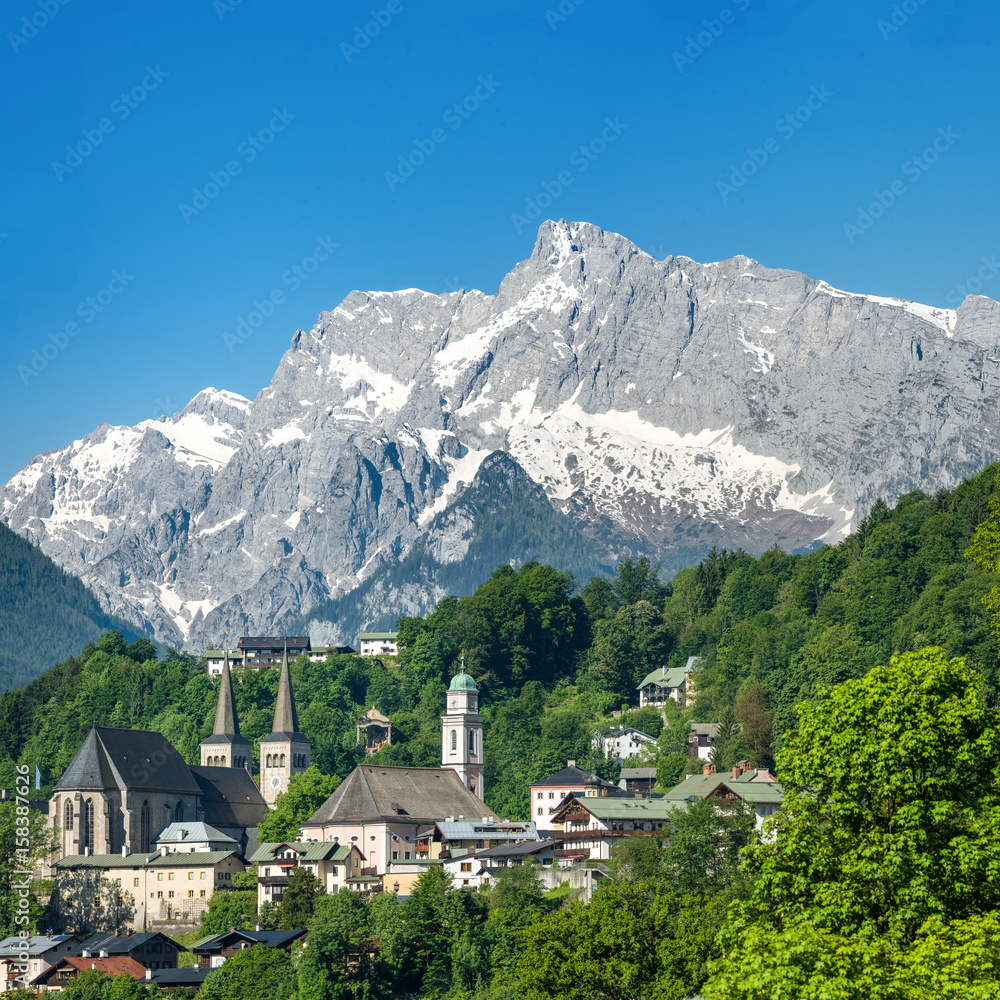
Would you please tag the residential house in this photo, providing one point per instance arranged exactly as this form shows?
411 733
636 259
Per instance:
756 787
38 951
546 795
637 779
191 979
152 886
381 809
543 852
318 654
331 862
402 875
468 872
259 651
590 825
701 739
151 949
213 951
378 643
57 977
450 837
619 744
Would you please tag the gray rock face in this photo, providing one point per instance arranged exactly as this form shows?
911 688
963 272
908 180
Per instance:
663 406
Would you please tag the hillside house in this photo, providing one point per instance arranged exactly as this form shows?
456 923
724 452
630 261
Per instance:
378 643
42 951
756 787
619 744
331 862
547 794
213 951
701 739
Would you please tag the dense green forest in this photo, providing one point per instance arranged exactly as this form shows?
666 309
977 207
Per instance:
45 613
554 660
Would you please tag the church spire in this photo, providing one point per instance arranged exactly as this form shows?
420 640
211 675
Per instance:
226 721
286 721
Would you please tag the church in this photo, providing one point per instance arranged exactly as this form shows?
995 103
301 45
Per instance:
125 786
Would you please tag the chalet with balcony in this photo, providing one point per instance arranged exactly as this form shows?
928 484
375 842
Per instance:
213 951
451 838
548 794
58 976
264 651
331 862
755 787
378 643
42 951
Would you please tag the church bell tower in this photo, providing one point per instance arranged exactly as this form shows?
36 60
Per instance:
462 732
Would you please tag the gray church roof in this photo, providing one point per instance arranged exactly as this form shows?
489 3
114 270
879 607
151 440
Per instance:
400 794
229 797
136 759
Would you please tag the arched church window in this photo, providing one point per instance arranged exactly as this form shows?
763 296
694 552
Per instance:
268 760
144 825
282 763
87 833
472 741
68 821
454 739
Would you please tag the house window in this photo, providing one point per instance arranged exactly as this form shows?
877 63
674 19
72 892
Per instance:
465 881
228 875
159 876
539 795
466 866
202 893
395 855
267 873
170 876
170 894
552 795
190 876
539 810
159 895
220 876
190 893
406 856
201 874
68 822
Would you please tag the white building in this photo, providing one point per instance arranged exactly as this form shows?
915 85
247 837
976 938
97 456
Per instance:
462 733
619 744
378 643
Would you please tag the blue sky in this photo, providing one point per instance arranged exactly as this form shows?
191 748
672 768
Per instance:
167 165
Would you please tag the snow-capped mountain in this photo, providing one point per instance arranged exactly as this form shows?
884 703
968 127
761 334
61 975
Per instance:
662 406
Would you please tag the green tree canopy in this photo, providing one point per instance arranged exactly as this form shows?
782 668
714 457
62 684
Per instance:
888 830
306 793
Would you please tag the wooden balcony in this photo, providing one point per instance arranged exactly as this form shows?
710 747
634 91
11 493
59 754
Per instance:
573 852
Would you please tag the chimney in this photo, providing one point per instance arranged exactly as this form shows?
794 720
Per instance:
103 953
85 953
571 763
124 851
197 965
257 927
86 852
118 933
737 770
149 974
708 769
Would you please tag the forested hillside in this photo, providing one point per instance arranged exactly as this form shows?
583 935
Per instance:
45 613
553 660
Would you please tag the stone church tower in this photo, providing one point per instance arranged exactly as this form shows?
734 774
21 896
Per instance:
226 747
285 751
462 733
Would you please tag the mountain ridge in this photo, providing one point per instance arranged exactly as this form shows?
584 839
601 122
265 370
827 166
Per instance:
662 405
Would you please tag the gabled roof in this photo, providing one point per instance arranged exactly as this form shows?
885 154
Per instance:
702 786
705 728
37 944
478 830
270 939
273 641
571 775
664 677
229 796
316 850
374 715
517 850
136 759
193 831
176 859
122 944
638 773
376 636
400 794
611 807
111 966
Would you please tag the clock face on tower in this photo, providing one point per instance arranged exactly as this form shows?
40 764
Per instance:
454 702
276 781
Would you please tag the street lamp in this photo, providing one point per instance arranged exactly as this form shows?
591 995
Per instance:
395 887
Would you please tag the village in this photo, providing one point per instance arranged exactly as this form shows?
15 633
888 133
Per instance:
134 824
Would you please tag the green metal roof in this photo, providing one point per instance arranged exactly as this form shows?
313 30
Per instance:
320 850
607 808
665 678
703 785
462 682
372 636
191 859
